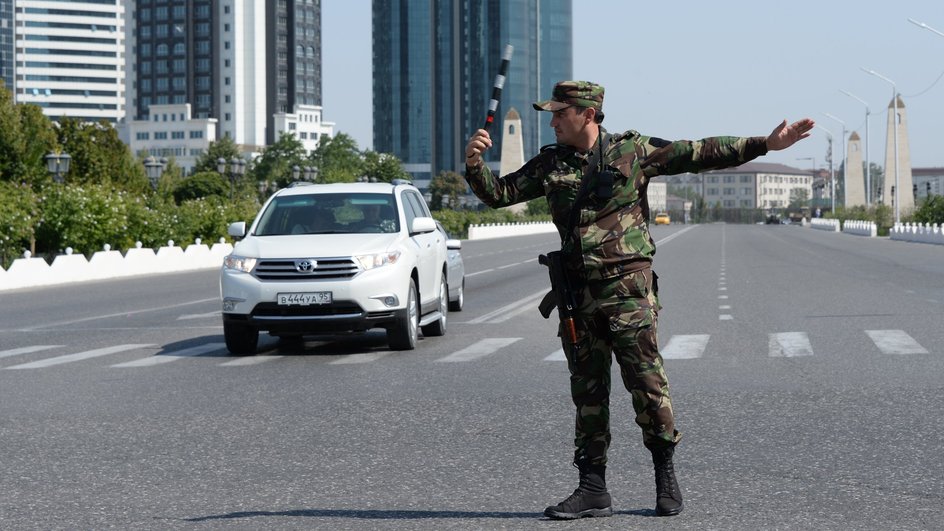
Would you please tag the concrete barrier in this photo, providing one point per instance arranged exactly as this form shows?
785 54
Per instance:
501 230
917 232
831 225
67 268
860 228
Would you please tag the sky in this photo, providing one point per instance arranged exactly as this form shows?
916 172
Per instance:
690 69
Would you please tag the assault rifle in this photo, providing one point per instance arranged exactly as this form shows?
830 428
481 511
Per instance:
560 295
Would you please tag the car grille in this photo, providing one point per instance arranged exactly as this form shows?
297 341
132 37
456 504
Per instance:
327 269
271 309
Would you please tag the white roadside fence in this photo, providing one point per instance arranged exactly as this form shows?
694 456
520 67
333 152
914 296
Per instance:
501 230
916 232
67 268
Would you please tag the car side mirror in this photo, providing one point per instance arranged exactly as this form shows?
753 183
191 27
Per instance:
453 245
421 225
237 230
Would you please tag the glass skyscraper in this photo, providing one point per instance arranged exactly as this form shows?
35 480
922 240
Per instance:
434 66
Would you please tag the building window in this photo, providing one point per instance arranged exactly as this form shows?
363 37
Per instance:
142 136
196 134
160 135
177 135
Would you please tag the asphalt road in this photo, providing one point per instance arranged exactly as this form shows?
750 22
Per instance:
807 371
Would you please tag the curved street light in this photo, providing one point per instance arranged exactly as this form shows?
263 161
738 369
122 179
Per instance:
154 168
845 160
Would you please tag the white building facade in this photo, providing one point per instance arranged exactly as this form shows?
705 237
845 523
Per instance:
70 58
170 132
756 185
305 124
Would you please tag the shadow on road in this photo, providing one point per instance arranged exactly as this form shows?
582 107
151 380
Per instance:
370 514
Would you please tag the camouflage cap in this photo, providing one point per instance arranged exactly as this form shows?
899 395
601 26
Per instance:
570 93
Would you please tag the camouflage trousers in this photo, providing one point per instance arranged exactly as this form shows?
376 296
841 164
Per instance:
617 318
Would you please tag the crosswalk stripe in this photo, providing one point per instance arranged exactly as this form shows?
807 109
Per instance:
895 342
557 355
789 345
185 317
480 349
685 347
25 350
367 357
79 356
508 311
249 360
172 356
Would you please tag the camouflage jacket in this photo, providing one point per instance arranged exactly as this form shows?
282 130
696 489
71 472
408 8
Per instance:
611 236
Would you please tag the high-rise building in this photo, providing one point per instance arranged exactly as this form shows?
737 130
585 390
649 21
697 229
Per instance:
251 67
434 64
66 57
7 48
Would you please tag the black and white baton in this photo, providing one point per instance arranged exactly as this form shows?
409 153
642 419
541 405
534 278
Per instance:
499 83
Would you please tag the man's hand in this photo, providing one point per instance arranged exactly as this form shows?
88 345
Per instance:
477 145
784 136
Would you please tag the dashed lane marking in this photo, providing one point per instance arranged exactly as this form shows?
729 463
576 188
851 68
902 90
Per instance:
25 350
160 359
895 342
79 356
789 345
480 349
685 346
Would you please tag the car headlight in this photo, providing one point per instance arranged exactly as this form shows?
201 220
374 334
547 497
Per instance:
371 261
243 264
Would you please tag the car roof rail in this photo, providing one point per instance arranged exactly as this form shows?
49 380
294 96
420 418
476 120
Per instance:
300 183
396 182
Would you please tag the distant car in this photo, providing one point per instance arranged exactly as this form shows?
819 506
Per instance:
455 271
663 219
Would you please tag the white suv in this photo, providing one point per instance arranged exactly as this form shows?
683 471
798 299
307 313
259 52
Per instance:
334 258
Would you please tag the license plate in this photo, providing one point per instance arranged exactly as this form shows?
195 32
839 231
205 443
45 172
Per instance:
304 299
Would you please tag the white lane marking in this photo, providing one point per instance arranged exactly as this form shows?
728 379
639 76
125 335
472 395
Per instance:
789 345
685 347
724 307
79 356
557 355
467 275
158 359
496 316
249 360
360 358
509 265
722 296
895 342
199 315
722 288
25 350
120 314
725 317
480 349
675 235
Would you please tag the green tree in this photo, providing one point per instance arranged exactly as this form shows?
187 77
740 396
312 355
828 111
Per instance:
799 198
223 148
26 136
99 156
445 190
383 167
199 185
19 215
337 159
931 210
538 207
277 161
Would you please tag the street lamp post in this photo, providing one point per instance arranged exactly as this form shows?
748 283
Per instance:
237 167
58 164
154 168
832 175
868 165
895 105
813 178
925 26
845 160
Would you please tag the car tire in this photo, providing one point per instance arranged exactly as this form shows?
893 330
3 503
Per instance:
456 305
438 327
404 334
241 339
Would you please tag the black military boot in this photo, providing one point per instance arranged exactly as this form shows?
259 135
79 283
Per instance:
668 494
590 498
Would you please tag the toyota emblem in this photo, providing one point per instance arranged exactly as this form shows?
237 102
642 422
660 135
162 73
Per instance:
305 266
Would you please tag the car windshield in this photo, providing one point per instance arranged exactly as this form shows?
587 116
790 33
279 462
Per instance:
337 213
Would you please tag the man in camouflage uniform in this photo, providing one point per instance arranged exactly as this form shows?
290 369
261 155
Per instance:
608 252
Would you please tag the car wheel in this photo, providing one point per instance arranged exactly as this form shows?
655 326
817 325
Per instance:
404 334
438 327
456 305
240 339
